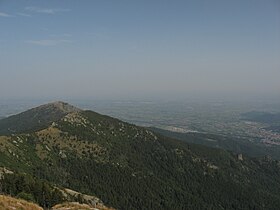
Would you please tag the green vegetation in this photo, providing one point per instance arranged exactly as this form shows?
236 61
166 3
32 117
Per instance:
130 167
31 189
26 196
35 119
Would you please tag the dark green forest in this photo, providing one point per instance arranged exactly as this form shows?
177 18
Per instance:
32 189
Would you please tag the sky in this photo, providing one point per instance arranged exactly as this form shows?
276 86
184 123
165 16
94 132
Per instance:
139 49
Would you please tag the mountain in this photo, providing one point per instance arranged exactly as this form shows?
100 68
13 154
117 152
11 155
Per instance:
36 118
131 167
262 117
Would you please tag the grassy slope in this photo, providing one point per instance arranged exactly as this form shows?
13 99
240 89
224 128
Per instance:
78 206
8 203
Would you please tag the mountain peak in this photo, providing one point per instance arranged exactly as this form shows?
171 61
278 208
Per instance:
59 105
36 118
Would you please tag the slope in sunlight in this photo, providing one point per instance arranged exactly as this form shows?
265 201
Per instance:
130 167
8 203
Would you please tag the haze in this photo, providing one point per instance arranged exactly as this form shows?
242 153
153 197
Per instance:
139 49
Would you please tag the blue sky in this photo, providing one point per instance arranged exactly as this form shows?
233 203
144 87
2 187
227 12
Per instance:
139 49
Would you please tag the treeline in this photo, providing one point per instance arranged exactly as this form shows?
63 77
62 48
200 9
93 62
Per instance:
32 189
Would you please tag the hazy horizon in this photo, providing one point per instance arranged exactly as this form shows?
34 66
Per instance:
149 50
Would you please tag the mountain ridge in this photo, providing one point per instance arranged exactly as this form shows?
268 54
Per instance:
36 118
130 167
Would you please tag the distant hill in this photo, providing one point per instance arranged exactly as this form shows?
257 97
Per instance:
237 145
36 118
262 117
131 167
274 128
271 119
